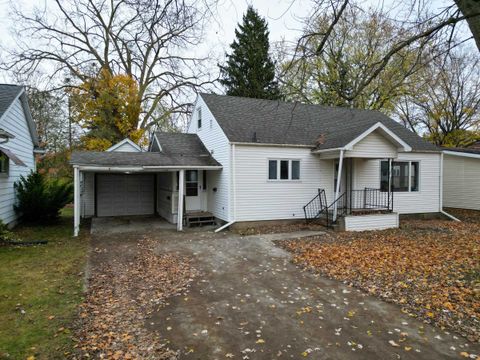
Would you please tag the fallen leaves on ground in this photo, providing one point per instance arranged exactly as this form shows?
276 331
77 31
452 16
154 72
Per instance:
431 268
120 298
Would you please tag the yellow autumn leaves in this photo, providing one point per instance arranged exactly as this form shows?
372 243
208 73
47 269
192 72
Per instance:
108 106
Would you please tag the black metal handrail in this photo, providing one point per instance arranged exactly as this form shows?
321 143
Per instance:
315 206
368 199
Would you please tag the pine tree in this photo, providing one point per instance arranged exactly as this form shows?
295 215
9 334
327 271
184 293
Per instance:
249 70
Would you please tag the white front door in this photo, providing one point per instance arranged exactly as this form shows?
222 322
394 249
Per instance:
193 191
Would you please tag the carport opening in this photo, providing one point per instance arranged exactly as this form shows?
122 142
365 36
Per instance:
148 194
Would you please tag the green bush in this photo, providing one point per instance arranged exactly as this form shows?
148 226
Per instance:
39 199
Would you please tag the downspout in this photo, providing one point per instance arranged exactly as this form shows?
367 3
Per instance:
234 194
441 192
339 180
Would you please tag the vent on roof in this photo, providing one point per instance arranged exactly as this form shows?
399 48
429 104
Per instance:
320 140
254 138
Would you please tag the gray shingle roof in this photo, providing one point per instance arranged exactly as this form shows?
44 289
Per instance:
8 93
464 150
177 150
180 143
277 122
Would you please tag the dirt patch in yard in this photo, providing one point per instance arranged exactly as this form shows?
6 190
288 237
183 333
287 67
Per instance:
127 283
431 268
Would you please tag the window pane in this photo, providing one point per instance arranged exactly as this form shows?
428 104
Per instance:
400 176
199 116
384 176
204 179
414 177
191 175
295 170
272 169
191 189
284 169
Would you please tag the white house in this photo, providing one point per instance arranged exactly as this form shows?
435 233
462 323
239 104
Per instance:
461 178
18 144
246 160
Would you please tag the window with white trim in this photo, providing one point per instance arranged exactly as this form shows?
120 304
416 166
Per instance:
283 169
404 176
199 118
4 162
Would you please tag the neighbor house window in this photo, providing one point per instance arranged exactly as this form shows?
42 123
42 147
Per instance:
191 182
404 176
3 164
199 118
284 169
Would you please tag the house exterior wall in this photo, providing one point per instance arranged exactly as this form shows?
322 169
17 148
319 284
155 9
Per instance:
258 198
165 195
426 200
87 195
14 121
126 147
373 145
215 140
461 184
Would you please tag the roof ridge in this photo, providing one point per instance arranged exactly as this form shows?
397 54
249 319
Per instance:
293 103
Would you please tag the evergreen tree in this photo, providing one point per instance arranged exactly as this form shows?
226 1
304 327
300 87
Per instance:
249 70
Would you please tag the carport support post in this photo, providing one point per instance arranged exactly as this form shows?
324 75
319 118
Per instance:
181 184
76 201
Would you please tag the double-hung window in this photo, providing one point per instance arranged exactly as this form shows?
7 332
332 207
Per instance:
283 169
404 176
199 118
4 162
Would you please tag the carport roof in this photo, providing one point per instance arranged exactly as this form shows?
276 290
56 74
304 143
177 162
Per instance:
144 159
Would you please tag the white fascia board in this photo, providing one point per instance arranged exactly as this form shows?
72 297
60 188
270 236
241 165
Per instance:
272 145
142 168
328 150
379 125
462 154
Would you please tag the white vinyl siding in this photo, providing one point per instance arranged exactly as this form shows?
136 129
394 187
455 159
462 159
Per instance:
219 181
166 194
461 182
126 147
87 194
258 198
372 146
371 222
15 122
426 200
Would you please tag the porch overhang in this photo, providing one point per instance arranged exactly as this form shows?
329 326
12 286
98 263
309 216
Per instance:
350 148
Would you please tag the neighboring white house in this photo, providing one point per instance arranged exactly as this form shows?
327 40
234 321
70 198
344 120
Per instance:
461 178
248 160
18 144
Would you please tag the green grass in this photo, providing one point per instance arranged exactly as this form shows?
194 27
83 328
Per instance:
45 281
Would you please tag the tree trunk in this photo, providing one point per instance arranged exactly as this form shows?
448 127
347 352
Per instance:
471 8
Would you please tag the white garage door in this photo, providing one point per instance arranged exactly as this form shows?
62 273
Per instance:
119 195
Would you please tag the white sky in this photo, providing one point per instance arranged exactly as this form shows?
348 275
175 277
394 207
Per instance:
282 16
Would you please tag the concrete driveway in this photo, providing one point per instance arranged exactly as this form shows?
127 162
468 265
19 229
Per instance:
251 303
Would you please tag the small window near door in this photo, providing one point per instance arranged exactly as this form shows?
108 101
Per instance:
204 178
191 183
4 162
295 170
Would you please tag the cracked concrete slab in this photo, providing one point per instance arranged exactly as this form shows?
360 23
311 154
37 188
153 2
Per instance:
251 302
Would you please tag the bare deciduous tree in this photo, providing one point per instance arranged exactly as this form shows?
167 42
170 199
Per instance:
145 39
446 105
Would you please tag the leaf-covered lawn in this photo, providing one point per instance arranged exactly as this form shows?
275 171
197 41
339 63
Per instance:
431 268
40 290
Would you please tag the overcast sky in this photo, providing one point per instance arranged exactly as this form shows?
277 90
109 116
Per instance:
282 15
